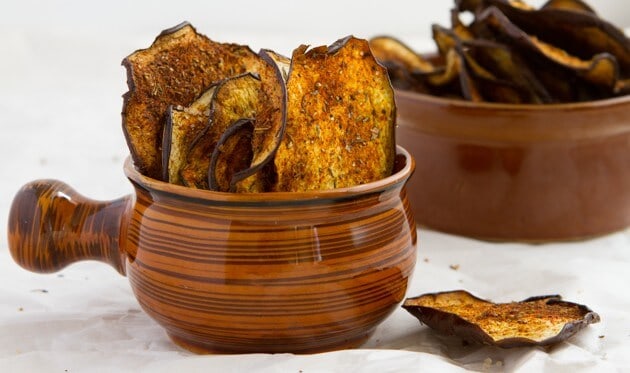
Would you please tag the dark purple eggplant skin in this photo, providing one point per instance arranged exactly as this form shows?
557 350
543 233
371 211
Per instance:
167 138
450 324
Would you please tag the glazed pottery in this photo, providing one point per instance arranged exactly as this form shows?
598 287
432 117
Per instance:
518 172
222 272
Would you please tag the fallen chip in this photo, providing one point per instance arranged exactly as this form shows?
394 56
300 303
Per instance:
536 321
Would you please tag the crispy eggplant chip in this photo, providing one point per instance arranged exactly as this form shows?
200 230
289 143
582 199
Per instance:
270 123
536 321
456 69
174 70
560 52
507 66
183 126
340 119
406 68
601 69
233 153
451 71
580 33
445 39
386 48
235 98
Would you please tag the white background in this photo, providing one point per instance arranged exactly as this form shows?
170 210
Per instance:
60 99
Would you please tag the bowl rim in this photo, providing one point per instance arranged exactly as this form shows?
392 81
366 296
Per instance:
512 123
392 181
494 106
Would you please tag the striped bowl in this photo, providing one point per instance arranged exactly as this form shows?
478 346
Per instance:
270 272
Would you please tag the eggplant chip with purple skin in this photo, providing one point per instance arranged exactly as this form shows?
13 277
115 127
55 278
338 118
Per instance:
387 48
174 70
234 98
269 125
536 321
557 53
580 33
601 69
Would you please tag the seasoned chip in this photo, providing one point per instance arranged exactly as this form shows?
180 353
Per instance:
560 52
234 98
386 48
407 70
183 126
232 154
538 321
579 33
175 70
340 119
507 66
601 69
269 125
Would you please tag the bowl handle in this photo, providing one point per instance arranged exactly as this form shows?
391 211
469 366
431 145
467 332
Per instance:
51 226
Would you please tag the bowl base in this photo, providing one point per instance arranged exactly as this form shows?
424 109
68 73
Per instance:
211 348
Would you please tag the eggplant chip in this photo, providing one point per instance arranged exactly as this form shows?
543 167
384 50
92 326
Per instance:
579 33
560 52
174 70
234 98
536 321
340 119
183 126
386 48
506 66
601 69
232 154
270 123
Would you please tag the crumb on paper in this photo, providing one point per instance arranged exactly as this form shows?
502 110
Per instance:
601 336
454 267
43 161
43 291
21 309
487 363
426 260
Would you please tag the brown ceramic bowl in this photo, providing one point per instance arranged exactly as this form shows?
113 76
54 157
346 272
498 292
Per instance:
273 272
518 172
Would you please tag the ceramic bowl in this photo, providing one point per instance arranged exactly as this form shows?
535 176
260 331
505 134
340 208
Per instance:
221 272
518 172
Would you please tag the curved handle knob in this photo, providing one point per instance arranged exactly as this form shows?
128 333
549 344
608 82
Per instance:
51 226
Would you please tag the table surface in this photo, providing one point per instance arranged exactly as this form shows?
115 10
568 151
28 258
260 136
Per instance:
60 101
